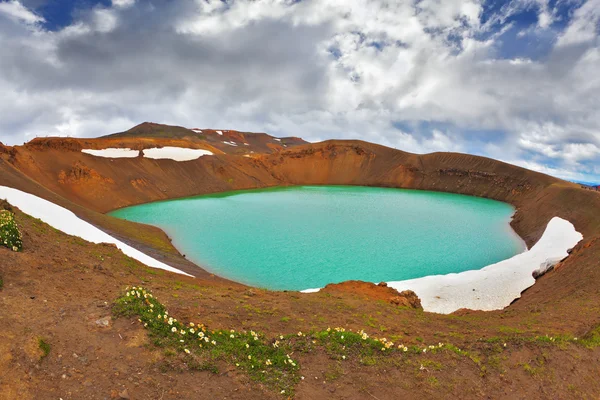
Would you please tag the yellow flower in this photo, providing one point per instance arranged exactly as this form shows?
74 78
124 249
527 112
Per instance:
187 351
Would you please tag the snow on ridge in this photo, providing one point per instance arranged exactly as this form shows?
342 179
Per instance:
66 221
196 130
494 286
176 153
113 152
219 132
279 140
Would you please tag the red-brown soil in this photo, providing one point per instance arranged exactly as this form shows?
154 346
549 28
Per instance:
57 287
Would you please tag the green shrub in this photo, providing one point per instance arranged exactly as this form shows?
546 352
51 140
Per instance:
10 236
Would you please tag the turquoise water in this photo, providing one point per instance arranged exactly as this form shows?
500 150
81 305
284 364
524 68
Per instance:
306 237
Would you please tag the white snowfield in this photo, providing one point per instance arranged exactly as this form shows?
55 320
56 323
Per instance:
176 153
231 143
197 130
495 286
66 221
164 153
113 153
219 132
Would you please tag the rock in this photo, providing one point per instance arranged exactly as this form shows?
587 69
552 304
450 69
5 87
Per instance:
103 322
124 394
407 298
545 267
381 292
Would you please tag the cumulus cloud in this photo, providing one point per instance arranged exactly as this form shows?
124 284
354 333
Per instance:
420 76
17 11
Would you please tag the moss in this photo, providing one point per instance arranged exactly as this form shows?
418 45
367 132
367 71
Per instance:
44 347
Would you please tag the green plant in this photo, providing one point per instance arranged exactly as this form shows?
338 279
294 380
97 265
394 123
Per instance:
10 236
44 347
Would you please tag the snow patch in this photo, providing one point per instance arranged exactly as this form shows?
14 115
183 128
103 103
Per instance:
231 143
246 144
196 130
66 221
176 153
279 140
219 132
113 153
494 286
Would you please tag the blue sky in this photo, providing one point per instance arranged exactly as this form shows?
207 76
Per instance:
514 80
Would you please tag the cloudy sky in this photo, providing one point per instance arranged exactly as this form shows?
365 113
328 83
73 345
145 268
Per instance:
514 80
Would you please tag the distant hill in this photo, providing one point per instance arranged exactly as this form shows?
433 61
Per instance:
229 141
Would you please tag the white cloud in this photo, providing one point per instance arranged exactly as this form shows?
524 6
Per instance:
123 3
105 20
584 27
17 11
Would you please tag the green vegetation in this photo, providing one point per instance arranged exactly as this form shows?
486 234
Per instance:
592 338
10 236
268 362
44 347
